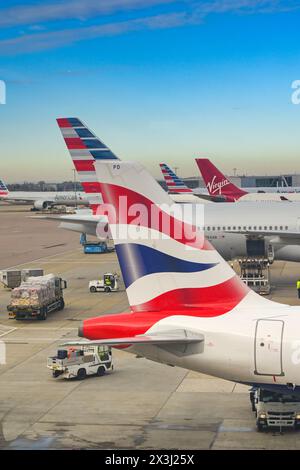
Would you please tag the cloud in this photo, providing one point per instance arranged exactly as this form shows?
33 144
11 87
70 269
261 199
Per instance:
54 39
86 9
188 12
70 9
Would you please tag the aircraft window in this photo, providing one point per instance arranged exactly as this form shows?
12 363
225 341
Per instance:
244 228
259 228
219 228
233 228
254 228
208 228
286 227
250 227
224 228
270 228
239 228
266 228
213 229
281 227
229 228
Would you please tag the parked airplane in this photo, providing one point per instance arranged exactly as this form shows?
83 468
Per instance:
3 189
187 306
234 230
43 200
218 184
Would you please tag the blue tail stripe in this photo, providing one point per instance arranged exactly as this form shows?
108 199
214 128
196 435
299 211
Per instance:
137 261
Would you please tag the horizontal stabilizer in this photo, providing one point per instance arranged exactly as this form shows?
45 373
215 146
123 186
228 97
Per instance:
159 339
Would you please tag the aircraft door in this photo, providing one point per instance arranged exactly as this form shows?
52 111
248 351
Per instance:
268 347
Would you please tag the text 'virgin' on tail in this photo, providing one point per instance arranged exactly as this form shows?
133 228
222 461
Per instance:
217 184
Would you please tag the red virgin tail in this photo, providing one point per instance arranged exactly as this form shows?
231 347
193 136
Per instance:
217 183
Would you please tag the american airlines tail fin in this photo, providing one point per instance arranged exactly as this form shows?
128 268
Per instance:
85 147
175 184
3 189
167 264
217 183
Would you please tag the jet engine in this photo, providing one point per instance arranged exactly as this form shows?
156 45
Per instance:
40 205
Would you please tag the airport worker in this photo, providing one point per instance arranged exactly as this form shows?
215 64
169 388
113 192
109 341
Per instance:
298 288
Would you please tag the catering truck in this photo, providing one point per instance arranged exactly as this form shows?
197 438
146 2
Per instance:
36 297
79 363
274 410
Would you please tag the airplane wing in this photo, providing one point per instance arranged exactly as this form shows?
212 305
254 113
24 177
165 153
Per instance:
12 198
290 235
77 223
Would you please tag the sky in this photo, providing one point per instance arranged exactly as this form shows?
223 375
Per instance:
156 80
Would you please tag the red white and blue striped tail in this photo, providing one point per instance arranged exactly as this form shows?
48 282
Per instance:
85 147
166 262
174 184
3 189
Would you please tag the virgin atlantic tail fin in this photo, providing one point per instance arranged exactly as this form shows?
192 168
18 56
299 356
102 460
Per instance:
217 183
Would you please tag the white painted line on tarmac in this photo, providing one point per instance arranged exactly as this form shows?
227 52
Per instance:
42 258
7 332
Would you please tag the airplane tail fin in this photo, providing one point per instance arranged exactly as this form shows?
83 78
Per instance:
85 147
167 264
3 189
174 184
216 182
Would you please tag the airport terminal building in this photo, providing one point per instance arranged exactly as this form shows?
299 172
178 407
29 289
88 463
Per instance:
257 181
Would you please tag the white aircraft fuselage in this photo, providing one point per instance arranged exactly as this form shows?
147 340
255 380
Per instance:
229 226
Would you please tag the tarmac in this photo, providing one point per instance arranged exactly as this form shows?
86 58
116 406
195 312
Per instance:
141 404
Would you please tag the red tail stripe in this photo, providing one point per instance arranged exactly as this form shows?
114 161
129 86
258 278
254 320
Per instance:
84 165
62 122
137 323
174 190
205 302
159 221
91 188
74 143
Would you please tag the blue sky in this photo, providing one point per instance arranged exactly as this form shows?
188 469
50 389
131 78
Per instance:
157 80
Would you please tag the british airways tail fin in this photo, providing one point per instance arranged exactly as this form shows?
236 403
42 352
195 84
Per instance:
216 182
85 147
3 189
174 184
167 264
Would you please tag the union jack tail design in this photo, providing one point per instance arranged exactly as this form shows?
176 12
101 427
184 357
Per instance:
175 185
163 271
85 148
3 189
217 184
